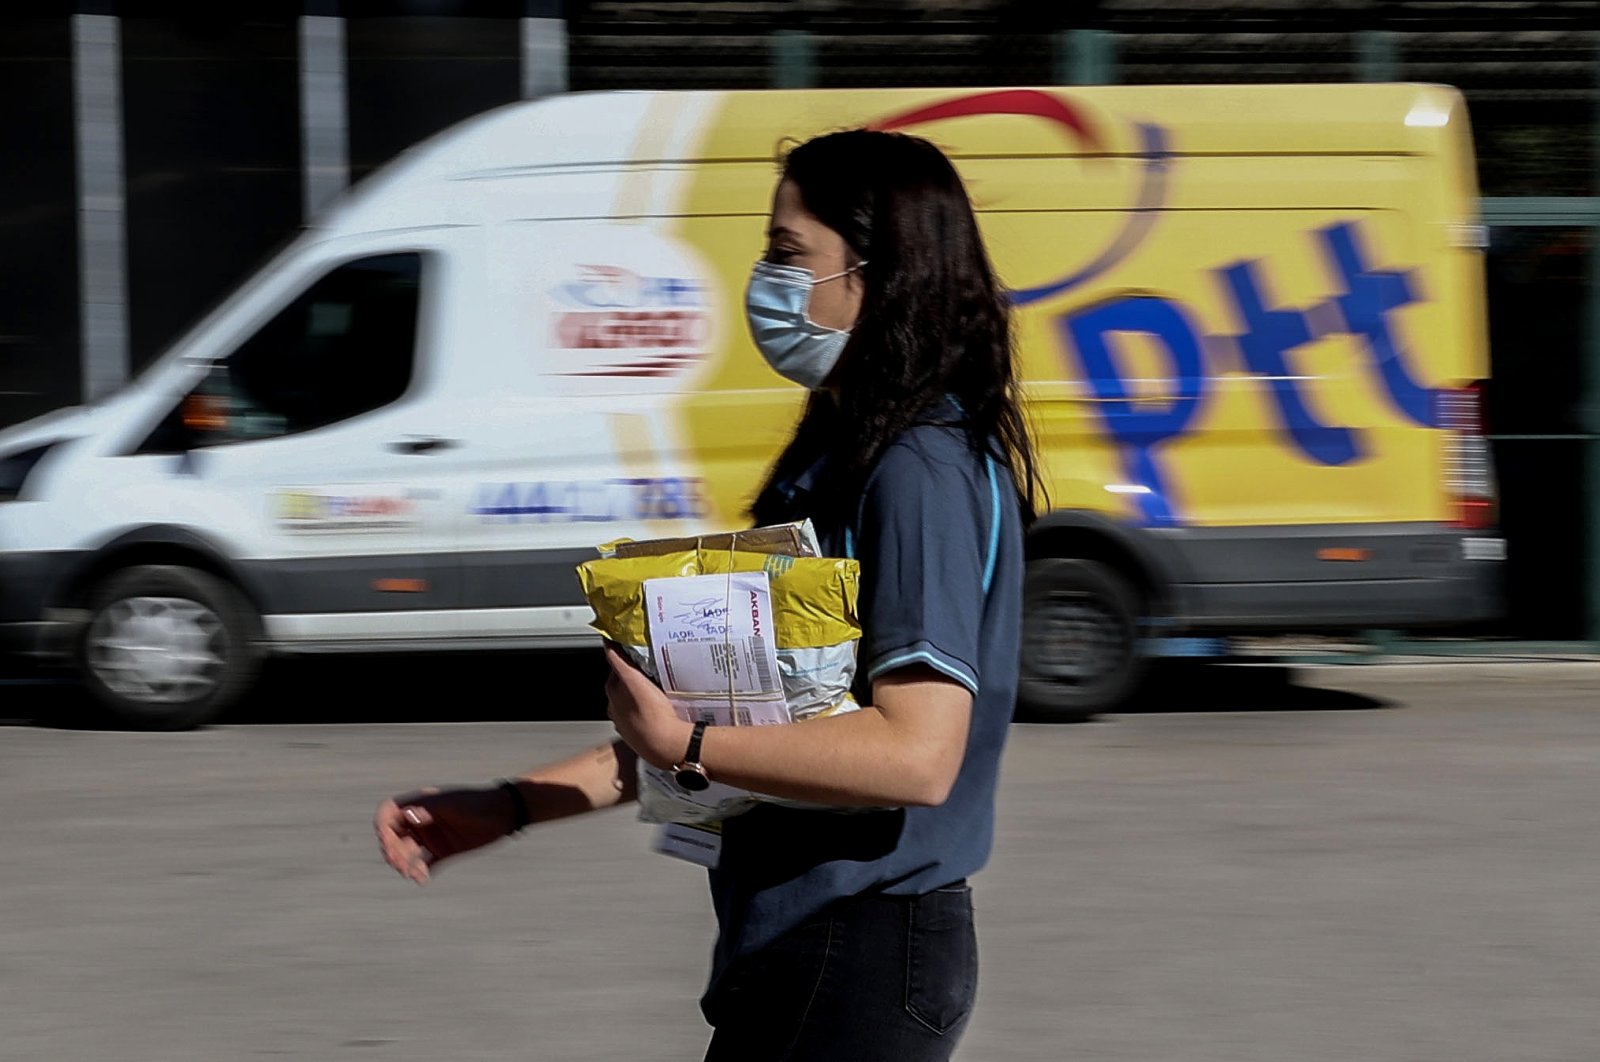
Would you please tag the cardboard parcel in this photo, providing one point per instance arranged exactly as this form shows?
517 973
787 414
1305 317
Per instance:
748 628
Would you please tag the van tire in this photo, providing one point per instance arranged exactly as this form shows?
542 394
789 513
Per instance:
1080 641
195 646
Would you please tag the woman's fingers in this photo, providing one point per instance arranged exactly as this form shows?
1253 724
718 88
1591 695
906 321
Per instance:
410 859
417 868
623 670
616 682
624 677
387 823
400 848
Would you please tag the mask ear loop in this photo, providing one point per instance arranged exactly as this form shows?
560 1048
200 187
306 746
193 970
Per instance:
836 276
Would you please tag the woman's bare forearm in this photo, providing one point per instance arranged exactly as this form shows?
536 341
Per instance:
906 750
597 778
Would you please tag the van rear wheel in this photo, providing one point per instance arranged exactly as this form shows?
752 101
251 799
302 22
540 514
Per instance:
1080 640
167 647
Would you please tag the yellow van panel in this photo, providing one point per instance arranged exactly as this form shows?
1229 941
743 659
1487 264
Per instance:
1250 120
1236 305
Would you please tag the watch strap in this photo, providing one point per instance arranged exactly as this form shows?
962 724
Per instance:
692 755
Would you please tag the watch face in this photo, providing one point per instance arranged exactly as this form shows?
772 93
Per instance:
692 780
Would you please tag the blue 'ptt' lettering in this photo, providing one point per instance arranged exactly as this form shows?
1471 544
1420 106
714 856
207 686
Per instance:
1269 336
1140 430
1369 296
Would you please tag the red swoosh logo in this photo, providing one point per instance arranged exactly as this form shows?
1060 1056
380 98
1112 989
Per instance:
1024 102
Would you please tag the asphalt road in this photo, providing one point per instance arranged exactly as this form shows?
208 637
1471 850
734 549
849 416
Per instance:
1376 863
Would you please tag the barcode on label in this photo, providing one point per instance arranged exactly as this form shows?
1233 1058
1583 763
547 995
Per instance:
758 650
741 717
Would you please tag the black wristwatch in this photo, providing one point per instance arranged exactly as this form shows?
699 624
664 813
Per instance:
689 773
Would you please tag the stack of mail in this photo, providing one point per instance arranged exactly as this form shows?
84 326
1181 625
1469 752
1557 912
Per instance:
743 629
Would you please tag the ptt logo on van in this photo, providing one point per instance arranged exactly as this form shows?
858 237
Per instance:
304 510
620 309
608 307
612 287
1362 302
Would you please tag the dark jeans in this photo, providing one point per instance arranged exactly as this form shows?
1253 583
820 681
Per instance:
872 979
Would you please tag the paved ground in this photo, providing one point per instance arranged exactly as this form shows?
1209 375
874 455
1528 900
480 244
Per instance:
1374 863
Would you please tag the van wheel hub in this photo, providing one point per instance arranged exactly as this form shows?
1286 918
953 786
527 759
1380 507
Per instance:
1082 638
156 649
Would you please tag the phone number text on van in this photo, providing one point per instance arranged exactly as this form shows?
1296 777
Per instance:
592 501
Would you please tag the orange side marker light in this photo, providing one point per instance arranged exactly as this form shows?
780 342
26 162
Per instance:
400 586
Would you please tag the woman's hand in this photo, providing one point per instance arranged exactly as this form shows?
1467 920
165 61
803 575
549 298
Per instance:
418 830
643 715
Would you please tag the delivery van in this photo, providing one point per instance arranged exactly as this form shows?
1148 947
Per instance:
1250 318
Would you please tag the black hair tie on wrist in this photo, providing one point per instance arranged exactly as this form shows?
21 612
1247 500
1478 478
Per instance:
519 806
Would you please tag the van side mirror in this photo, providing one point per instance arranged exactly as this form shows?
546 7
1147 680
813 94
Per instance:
204 414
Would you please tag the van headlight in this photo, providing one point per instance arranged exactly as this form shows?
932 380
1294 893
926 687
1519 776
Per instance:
15 467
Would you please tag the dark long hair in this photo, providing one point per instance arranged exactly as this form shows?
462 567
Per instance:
934 323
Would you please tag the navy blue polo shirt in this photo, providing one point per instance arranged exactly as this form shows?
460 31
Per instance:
939 538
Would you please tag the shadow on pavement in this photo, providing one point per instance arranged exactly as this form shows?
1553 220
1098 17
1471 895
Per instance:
413 688
29 699
553 686
428 688
1196 686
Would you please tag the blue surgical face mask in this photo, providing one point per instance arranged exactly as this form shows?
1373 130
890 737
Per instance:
777 305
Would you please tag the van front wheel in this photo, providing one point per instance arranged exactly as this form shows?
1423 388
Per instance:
167 647
1080 640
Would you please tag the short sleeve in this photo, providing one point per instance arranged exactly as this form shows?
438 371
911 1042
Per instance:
923 531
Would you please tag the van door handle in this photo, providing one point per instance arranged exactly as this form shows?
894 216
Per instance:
419 444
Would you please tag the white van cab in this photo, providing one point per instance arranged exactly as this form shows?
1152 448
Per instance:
525 338
359 449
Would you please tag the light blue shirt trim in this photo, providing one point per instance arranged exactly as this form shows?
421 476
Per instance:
924 657
994 527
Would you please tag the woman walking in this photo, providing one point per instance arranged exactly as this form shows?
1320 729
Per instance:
847 936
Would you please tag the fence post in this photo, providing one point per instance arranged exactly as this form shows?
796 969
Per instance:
324 118
794 59
544 49
1085 57
102 222
1377 56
